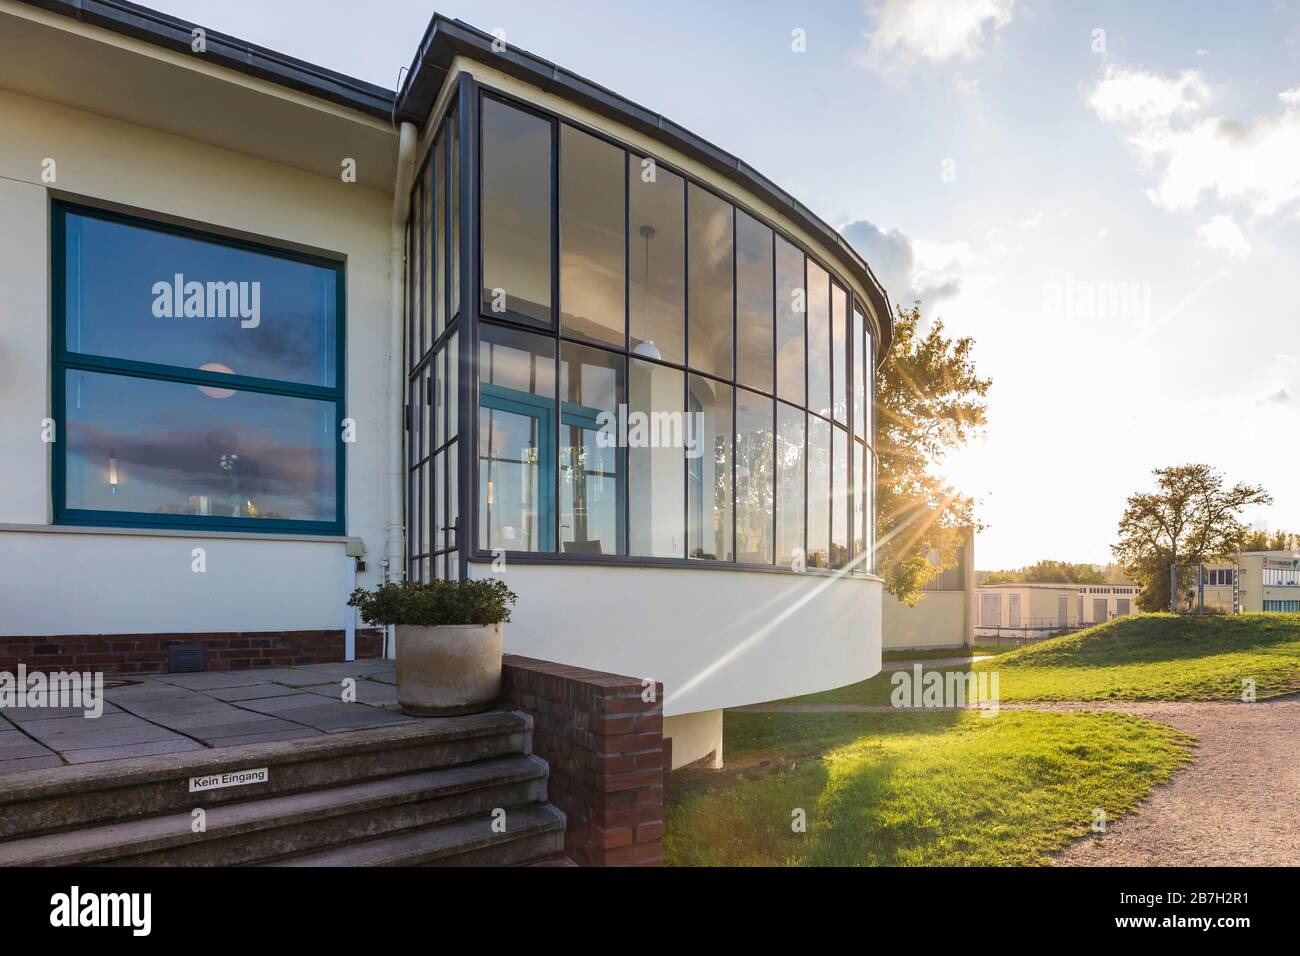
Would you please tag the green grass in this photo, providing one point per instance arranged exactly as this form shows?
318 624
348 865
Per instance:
914 788
1151 657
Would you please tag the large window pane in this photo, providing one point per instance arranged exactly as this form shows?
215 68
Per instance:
170 448
791 309
840 500
708 469
453 183
656 502
709 251
754 465
515 198
862 561
440 251
754 318
516 440
790 426
656 260
591 474
860 360
591 238
152 295
819 492
840 352
819 340
430 221
869 351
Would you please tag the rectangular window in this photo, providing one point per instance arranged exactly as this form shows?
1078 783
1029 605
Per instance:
708 469
516 211
1281 577
656 495
860 361
439 250
862 560
840 500
754 467
790 463
819 340
430 223
791 308
197 380
453 203
819 492
840 352
591 469
709 281
591 238
516 440
754 317
656 260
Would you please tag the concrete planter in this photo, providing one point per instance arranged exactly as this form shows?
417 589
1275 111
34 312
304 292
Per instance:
449 669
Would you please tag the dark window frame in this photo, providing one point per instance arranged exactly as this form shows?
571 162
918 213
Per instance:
63 360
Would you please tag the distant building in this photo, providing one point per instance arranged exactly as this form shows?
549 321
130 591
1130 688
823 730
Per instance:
1035 610
1258 581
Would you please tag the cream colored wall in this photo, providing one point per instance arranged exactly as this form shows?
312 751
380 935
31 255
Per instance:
109 161
694 737
938 620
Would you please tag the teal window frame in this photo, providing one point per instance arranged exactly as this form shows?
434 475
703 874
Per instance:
64 361
573 415
541 408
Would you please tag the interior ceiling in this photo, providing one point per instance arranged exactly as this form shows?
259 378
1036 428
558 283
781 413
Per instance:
90 74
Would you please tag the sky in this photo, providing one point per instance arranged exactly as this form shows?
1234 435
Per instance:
1104 196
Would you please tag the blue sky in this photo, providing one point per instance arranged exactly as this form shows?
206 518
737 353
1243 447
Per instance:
1018 169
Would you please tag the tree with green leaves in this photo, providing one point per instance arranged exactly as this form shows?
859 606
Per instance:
1049 572
929 402
1271 541
1191 517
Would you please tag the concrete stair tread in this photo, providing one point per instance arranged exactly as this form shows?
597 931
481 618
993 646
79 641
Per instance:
461 840
97 843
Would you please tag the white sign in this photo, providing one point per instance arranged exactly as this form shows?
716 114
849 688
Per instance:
232 778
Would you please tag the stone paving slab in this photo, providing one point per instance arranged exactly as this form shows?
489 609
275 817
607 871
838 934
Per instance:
244 730
175 706
368 692
123 751
290 676
13 750
207 680
95 739
280 705
146 691
225 718
63 725
30 763
251 692
265 736
336 717
349 668
25 715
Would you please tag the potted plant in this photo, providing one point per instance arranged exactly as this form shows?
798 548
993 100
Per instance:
448 641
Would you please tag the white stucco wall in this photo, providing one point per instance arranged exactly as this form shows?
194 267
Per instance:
57 583
715 638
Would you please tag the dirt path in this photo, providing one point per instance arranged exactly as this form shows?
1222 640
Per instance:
1237 803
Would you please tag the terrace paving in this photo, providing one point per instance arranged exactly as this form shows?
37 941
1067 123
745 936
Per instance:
149 714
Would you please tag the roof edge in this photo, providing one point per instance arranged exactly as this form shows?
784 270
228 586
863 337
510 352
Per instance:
172 33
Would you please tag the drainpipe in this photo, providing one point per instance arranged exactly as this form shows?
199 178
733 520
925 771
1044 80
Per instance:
394 560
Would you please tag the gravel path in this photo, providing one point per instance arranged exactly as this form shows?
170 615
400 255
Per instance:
1237 803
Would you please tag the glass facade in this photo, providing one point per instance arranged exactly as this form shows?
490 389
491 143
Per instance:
661 374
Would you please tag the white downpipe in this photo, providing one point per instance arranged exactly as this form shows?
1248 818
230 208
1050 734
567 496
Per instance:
394 562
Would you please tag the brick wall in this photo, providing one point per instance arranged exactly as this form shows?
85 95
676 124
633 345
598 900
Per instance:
147 653
605 748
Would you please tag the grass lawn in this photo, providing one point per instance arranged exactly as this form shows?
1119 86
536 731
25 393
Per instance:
913 788
941 652
1151 657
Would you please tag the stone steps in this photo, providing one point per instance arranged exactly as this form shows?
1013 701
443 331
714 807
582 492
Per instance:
422 792
532 832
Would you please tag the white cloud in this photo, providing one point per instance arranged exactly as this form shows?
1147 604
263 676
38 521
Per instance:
934 30
1252 164
1222 235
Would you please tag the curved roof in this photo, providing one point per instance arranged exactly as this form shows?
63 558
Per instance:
443 40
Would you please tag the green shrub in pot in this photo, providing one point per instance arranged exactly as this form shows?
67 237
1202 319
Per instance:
448 641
